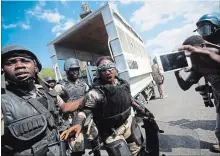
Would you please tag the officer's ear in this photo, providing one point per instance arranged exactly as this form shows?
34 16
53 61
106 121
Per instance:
36 70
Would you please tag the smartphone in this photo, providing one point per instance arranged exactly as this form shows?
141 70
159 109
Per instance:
173 61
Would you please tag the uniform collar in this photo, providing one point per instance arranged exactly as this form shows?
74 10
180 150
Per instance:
76 82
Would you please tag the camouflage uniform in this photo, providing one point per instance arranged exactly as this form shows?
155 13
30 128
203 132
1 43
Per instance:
92 100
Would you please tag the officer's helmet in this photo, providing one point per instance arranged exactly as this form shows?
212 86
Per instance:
208 24
17 49
49 79
71 63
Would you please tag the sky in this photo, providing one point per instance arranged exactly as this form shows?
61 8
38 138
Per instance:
162 24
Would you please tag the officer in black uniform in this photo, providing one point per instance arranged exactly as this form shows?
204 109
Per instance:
74 89
28 106
51 82
110 102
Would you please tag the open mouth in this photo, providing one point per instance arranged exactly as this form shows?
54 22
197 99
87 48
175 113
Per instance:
109 78
21 74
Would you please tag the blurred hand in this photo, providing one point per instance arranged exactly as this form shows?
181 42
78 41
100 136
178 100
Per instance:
187 69
74 129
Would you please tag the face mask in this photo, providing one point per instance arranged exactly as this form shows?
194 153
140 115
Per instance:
205 30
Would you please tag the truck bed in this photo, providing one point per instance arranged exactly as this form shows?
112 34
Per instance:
104 32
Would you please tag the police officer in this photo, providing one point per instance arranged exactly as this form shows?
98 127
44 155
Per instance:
51 82
74 89
110 103
28 106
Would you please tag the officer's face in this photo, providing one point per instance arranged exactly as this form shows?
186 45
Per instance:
52 83
19 69
108 75
73 73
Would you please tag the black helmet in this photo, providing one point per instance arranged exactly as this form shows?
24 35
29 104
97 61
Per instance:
49 79
13 48
71 63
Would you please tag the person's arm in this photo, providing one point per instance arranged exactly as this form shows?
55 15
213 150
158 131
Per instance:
141 110
71 106
215 57
193 78
81 117
90 101
212 53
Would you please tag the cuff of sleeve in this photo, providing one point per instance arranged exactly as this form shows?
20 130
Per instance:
80 121
82 114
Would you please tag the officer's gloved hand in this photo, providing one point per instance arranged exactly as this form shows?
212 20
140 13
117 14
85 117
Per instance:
148 114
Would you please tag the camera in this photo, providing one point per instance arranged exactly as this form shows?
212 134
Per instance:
205 91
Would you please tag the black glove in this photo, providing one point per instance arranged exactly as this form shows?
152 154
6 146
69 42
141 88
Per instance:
148 114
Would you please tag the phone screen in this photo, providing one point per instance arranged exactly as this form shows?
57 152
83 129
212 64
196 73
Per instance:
173 61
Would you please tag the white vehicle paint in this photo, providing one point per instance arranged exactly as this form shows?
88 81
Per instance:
105 32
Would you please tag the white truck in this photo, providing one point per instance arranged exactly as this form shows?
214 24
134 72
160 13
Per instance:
105 33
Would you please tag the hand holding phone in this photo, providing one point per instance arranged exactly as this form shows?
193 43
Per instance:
173 61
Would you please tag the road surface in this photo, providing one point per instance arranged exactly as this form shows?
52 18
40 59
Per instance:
186 108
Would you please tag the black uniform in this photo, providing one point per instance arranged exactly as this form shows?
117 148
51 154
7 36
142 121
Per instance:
30 122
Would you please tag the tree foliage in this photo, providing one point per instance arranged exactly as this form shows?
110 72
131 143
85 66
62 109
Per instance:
83 72
46 72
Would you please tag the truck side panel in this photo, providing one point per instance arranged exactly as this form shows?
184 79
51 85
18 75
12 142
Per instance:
128 51
53 56
114 42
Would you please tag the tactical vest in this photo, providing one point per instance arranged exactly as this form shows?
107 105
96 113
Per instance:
30 128
75 90
114 110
